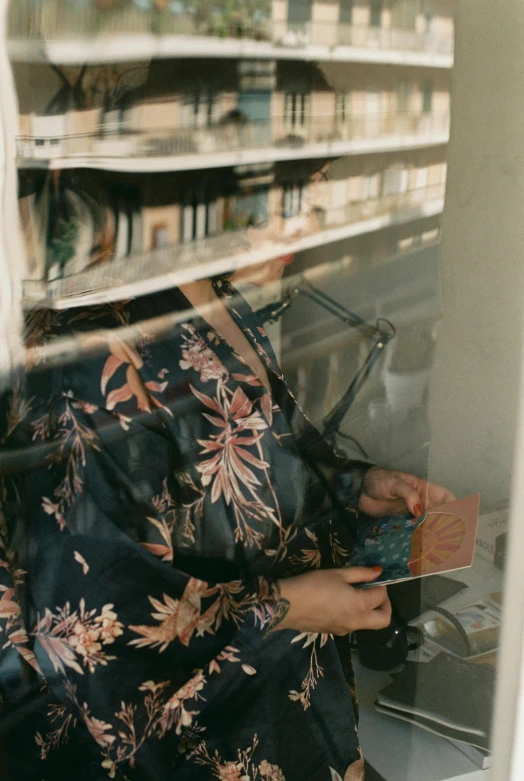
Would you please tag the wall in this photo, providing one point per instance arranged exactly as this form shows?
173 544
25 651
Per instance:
476 376
325 20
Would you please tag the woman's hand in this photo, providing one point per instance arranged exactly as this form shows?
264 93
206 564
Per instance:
325 601
386 492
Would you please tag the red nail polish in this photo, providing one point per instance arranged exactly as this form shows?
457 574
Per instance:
419 510
376 568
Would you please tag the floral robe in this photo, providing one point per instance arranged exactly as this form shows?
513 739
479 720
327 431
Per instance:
152 492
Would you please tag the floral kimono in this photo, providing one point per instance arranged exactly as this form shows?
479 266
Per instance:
152 493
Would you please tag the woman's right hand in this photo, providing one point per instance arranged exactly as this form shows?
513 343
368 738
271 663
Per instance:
326 601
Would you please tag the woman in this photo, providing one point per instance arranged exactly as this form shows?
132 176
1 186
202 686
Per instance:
174 538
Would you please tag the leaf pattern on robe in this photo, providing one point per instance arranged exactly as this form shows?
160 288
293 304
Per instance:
131 500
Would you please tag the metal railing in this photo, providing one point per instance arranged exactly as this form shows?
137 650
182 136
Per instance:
393 204
390 38
226 137
55 20
333 34
166 260
61 19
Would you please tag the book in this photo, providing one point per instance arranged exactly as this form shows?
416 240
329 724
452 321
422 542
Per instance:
481 757
476 635
461 738
492 536
406 547
447 696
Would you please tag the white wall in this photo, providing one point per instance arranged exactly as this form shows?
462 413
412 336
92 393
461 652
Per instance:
475 381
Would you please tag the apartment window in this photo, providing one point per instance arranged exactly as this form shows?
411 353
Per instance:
295 110
342 106
252 208
404 14
293 195
370 186
200 108
346 12
403 96
112 121
199 219
395 181
160 236
426 89
375 13
428 13
299 11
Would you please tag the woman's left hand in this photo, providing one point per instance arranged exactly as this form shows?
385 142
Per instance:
386 492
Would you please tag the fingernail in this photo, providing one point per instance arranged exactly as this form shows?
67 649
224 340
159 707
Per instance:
376 568
419 510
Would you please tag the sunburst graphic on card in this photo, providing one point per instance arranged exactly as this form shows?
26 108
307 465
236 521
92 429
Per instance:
436 540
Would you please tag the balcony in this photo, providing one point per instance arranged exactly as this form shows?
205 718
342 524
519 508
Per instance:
175 265
411 202
60 19
69 33
334 34
220 145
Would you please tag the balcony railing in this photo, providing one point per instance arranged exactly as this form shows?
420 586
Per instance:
61 19
279 133
394 39
333 34
393 204
56 20
205 254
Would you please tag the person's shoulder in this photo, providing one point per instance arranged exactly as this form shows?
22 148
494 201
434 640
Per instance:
82 351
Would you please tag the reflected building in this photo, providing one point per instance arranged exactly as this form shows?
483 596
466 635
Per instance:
194 138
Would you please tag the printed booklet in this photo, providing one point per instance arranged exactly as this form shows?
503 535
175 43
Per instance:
440 540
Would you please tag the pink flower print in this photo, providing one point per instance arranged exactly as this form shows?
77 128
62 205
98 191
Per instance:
175 712
271 772
230 772
198 356
123 354
98 729
190 689
110 626
179 618
89 409
54 509
84 640
72 636
229 466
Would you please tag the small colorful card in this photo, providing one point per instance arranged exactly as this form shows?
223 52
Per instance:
441 540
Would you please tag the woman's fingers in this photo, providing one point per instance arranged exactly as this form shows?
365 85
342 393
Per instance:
431 493
373 598
380 617
400 488
359 574
325 601
387 492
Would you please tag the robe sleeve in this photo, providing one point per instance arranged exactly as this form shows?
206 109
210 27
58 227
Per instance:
109 626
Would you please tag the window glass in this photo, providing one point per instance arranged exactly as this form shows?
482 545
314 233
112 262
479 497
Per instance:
375 13
346 11
250 315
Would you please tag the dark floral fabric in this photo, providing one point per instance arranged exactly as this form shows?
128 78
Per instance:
152 493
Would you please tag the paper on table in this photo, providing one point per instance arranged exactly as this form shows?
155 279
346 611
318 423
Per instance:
441 540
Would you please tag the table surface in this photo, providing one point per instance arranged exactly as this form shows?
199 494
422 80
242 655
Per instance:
399 751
